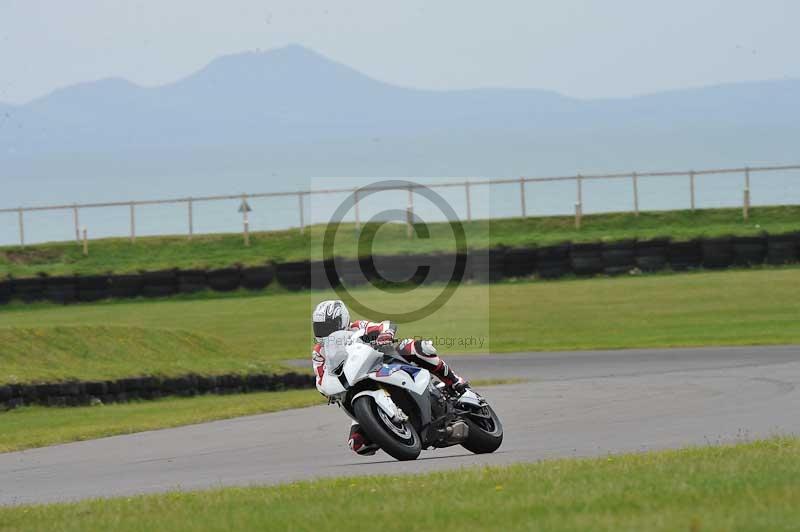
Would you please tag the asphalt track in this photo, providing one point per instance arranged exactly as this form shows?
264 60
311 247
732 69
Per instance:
574 404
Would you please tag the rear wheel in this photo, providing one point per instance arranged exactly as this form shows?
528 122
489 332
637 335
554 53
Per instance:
485 431
397 438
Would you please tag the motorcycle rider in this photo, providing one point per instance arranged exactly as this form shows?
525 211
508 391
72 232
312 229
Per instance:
332 315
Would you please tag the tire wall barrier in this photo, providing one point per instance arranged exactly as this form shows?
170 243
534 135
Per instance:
484 266
224 279
257 277
783 249
159 284
190 281
553 262
749 251
652 255
619 257
82 393
685 255
586 259
65 290
294 276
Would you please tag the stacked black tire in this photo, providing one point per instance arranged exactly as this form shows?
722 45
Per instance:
553 261
81 393
619 257
685 255
783 249
163 283
652 255
586 259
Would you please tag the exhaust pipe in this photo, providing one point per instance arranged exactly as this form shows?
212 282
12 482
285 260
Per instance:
457 432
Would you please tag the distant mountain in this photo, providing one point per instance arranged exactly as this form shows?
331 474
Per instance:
292 112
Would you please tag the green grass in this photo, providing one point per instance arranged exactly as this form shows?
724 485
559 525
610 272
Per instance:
747 307
86 352
153 253
28 427
749 486
37 426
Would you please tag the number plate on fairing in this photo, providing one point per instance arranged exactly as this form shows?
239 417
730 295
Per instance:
388 369
403 376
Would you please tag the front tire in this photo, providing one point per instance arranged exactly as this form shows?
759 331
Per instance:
485 432
401 441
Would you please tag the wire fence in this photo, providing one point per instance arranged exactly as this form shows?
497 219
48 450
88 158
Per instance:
469 187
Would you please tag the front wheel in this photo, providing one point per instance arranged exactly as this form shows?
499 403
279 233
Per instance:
485 431
398 439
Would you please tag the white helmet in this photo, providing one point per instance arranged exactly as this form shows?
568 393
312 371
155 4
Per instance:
330 316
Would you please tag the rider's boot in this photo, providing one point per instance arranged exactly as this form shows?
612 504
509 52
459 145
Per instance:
443 372
359 443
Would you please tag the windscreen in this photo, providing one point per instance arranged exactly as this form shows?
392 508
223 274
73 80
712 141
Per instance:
335 349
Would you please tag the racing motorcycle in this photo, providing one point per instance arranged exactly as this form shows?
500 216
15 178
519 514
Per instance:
399 406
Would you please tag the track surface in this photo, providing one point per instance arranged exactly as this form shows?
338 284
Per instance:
575 404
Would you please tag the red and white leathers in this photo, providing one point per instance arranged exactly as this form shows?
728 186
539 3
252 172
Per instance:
419 352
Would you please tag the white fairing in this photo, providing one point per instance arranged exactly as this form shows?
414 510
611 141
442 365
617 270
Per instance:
335 348
355 361
471 398
331 387
360 359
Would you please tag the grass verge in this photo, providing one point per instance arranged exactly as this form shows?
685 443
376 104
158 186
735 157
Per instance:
700 309
37 426
749 486
87 352
206 251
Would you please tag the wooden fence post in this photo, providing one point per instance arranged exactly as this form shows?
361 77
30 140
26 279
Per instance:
691 187
635 194
85 243
579 203
522 197
746 201
133 222
245 220
190 207
21 227
76 220
410 213
302 212
358 215
469 201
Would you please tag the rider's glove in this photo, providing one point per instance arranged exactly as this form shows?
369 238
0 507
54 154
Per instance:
460 386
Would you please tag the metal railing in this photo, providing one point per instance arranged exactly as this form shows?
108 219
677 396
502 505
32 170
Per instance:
467 185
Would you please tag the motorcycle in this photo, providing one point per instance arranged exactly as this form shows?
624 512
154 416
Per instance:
399 406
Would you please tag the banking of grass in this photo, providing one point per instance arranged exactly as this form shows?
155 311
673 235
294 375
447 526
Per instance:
749 486
248 334
119 255
105 352
37 426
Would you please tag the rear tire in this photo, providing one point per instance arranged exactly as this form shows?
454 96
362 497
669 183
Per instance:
375 427
485 434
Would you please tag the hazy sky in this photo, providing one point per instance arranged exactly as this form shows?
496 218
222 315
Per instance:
577 47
